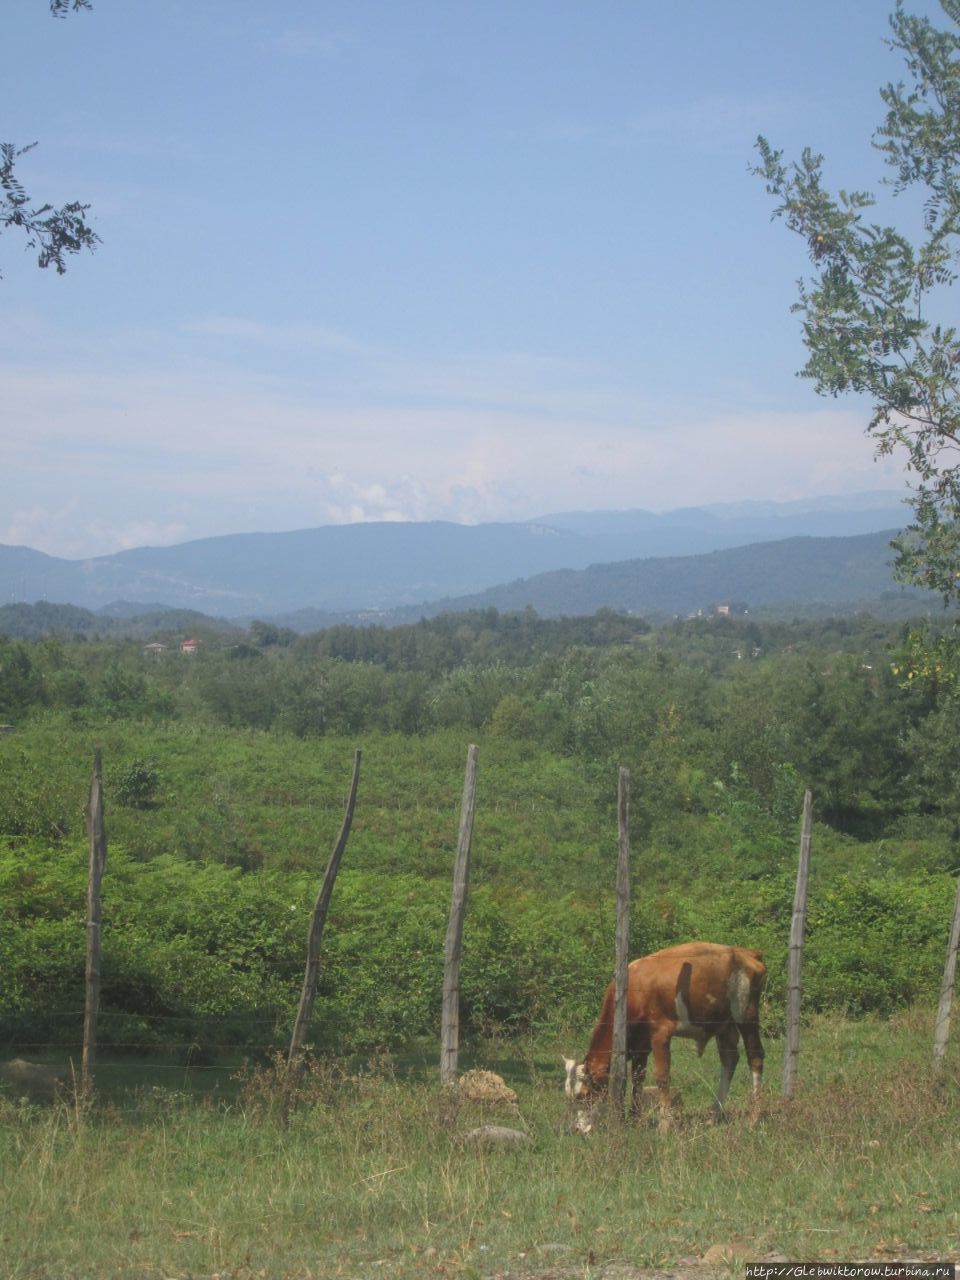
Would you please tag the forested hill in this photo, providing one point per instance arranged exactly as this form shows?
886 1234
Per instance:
793 571
120 621
802 576
384 566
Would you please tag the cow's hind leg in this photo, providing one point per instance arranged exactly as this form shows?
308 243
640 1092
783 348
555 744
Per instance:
754 1047
728 1039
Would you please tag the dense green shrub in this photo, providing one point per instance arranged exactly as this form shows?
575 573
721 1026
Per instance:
873 944
207 954
207 895
34 800
137 783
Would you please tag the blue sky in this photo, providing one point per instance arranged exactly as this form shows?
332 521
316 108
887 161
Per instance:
430 260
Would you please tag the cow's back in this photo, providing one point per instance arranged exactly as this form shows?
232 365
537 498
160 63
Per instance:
700 982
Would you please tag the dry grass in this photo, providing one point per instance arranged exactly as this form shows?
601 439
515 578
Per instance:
367 1176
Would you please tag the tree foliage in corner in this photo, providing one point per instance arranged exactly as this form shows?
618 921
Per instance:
873 311
54 233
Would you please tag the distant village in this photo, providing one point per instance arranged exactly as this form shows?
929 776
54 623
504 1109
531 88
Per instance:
157 648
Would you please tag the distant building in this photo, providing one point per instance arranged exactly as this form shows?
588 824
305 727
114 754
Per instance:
7 728
155 649
189 646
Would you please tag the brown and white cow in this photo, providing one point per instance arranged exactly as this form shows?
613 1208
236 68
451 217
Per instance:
697 991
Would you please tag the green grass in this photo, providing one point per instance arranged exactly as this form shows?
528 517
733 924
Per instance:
254 799
370 1176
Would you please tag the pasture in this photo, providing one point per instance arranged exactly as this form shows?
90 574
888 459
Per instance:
370 1177
219 823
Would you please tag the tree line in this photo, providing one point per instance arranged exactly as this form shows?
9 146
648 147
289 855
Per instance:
704 699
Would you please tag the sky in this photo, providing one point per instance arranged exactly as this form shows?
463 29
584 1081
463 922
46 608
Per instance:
459 260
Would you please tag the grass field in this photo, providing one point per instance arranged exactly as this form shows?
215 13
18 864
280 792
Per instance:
370 1176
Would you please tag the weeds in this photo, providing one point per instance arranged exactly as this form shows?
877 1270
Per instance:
365 1174
268 1092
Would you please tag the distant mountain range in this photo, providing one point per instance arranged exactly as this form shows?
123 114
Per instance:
793 572
383 567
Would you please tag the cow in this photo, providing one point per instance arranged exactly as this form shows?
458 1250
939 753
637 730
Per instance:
697 991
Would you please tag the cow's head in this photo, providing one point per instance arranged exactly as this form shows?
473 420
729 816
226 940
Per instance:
583 1091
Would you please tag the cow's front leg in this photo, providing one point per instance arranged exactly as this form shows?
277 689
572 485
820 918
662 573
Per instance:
661 1067
638 1059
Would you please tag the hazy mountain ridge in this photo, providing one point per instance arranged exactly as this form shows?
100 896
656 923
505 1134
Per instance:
384 566
803 571
801 576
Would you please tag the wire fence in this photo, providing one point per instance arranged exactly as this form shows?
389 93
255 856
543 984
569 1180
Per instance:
191 1038
196 1062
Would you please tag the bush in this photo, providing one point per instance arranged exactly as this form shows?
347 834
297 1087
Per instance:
136 784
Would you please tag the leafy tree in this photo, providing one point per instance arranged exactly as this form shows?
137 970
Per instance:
21 683
846 724
54 233
872 311
265 634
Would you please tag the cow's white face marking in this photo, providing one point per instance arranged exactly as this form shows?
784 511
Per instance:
570 1084
575 1085
577 1088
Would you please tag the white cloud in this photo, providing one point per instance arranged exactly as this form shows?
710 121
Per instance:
68 531
155 444
302 42
295 336
711 114
697 121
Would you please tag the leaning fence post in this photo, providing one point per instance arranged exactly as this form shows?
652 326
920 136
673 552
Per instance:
450 1017
618 1055
311 976
97 862
795 969
941 1032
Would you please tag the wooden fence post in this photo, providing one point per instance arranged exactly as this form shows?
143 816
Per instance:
941 1032
97 862
311 976
795 969
618 1057
450 1017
